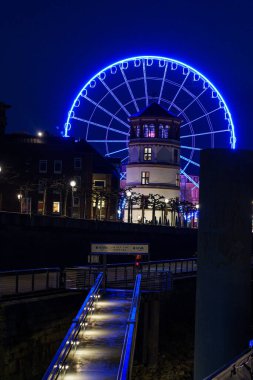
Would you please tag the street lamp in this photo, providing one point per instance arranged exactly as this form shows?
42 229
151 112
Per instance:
73 185
20 196
166 201
129 194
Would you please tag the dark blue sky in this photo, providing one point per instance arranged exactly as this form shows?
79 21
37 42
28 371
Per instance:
50 48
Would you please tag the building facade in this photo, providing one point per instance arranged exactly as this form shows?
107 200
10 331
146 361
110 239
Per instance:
153 169
54 176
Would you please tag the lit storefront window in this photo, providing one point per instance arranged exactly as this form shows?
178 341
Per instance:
56 207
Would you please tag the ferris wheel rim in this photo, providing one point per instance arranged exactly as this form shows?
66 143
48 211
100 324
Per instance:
157 58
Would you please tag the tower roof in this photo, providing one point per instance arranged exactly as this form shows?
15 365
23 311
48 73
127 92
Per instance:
154 110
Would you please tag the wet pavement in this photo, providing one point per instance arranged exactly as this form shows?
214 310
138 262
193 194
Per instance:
98 353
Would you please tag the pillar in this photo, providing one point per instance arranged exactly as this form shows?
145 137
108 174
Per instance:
224 247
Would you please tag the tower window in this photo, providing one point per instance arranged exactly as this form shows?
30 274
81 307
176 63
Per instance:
137 131
149 130
144 178
161 131
166 132
147 154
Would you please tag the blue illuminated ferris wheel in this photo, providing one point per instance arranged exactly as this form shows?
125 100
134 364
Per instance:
101 109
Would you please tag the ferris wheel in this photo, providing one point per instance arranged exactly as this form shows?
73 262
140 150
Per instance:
101 109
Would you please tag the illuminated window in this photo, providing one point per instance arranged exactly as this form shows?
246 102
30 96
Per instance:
40 207
149 130
56 207
43 166
144 178
147 154
145 130
77 163
99 202
57 166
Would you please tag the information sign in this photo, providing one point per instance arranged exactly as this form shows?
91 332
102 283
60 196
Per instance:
119 249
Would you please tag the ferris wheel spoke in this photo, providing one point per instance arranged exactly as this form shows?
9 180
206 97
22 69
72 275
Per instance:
200 117
125 158
194 100
178 91
189 147
164 76
100 125
190 161
145 81
204 133
107 112
129 88
116 151
115 97
189 178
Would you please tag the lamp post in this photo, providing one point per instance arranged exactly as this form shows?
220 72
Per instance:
166 201
20 196
129 215
73 185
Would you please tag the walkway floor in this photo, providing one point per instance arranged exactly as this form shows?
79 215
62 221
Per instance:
98 354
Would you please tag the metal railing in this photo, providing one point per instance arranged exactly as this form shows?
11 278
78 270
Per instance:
18 282
126 360
156 275
238 368
58 365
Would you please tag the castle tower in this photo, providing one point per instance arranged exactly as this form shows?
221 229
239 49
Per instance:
154 160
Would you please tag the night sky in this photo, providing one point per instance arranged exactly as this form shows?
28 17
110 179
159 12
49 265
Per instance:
50 48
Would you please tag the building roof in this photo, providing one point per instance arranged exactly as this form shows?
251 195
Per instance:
154 110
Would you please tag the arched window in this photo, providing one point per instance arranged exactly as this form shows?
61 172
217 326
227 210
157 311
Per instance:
145 130
137 131
151 132
161 131
166 132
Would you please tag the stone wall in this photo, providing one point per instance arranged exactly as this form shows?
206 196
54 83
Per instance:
31 330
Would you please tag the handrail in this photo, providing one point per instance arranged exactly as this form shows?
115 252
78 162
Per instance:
151 262
57 365
28 271
126 360
231 365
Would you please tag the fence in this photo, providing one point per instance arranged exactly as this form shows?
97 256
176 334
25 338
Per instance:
156 275
28 280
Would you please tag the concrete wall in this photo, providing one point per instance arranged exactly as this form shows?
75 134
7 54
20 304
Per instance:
53 241
31 330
